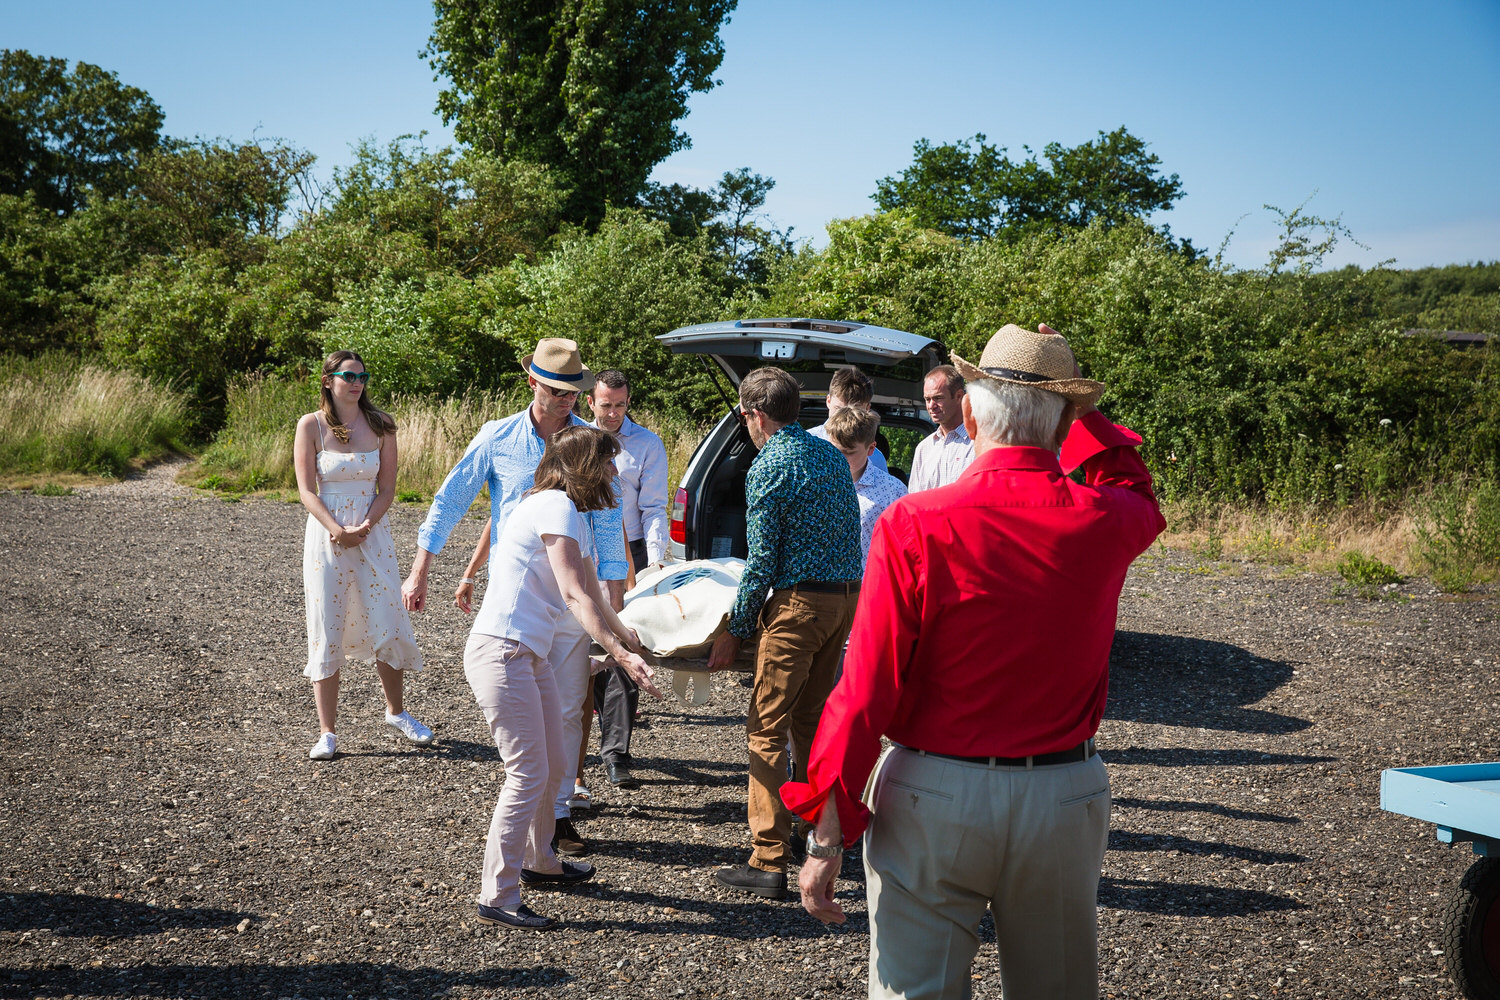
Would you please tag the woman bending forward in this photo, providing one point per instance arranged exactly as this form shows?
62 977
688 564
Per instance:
345 455
538 574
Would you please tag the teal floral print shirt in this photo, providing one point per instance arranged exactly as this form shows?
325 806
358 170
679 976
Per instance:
802 521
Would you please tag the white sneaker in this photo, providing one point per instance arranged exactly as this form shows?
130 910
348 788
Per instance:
413 730
325 748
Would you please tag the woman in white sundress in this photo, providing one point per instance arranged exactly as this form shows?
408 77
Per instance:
345 456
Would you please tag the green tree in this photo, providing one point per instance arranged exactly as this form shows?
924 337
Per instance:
470 209
69 137
614 291
973 190
591 88
729 215
220 194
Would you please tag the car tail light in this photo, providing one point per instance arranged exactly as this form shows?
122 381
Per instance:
680 516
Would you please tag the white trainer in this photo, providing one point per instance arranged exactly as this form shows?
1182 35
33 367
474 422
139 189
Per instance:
409 727
325 748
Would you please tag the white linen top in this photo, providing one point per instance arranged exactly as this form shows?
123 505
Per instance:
523 600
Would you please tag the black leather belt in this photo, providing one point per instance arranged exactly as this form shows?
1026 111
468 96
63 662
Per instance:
827 586
1082 751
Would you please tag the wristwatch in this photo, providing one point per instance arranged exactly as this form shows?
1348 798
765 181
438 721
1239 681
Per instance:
817 850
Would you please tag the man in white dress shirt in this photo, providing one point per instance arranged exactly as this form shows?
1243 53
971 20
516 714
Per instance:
942 456
642 465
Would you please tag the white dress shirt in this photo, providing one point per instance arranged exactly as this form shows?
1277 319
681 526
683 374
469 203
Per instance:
940 459
876 489
642 467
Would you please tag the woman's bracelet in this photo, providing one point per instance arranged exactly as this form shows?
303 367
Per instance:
468 579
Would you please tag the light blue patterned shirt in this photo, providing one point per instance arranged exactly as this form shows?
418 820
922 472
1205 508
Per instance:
504 456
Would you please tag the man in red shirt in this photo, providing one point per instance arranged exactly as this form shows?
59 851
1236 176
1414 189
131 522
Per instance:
981 649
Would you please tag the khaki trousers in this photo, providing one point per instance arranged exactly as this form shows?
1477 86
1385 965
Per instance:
950 839
801 644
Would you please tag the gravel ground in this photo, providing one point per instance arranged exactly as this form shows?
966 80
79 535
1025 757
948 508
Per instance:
170 838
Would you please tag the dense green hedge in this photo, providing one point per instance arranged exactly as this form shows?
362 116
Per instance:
1281 384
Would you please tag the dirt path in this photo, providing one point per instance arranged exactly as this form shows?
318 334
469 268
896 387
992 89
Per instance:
169 838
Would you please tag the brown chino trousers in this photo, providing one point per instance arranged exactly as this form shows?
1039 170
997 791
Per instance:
801 644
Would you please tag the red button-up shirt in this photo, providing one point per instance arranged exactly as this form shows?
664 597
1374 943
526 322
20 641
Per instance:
987 614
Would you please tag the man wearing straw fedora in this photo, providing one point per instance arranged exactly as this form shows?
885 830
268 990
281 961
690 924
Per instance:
981 650
503 456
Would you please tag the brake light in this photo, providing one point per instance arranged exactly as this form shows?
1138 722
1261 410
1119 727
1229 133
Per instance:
680 516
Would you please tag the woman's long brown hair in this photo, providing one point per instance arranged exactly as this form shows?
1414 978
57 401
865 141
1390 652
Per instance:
381 422
577 462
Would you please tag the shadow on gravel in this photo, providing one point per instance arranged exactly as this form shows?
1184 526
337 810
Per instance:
1182 681
71 915
749 921
1121 840
1188 899
268 982
695 772
708 814
440 750
1165 805
1190 757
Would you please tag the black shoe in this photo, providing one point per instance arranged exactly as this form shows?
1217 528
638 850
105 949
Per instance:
525 918
573 872
565 839
618 773
771 885
797 844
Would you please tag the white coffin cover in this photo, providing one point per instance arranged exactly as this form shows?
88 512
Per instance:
679 609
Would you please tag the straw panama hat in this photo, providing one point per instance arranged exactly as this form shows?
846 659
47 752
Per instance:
1042 360
556 363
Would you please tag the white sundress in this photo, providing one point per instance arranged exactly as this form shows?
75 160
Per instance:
353 593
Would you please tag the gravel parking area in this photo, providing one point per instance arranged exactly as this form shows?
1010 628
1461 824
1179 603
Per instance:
168 836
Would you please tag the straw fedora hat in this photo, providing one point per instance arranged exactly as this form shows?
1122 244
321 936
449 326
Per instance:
555 362
1042 360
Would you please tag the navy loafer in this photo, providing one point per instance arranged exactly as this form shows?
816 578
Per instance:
573 872
525 918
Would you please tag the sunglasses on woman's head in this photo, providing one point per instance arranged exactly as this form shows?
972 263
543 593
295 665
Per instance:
360 377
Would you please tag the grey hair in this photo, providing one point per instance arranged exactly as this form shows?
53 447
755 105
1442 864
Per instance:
1017 415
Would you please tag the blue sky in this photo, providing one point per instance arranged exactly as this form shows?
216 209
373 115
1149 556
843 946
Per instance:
1383 113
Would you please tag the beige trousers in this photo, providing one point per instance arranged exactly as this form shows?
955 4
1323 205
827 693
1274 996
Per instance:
518 694
950 839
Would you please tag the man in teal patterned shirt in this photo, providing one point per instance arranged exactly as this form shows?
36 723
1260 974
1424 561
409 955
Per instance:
803 529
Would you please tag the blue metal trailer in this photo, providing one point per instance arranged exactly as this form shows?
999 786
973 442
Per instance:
1464 801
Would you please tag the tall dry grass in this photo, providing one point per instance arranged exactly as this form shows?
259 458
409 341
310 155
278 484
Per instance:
254 450
58 414
1450 534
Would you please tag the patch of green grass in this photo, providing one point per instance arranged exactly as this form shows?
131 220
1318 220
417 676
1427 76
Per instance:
410 496
1370 578
1360 569
53 490
1458 534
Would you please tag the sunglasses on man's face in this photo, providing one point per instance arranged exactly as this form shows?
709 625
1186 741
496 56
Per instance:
562 393
360 377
